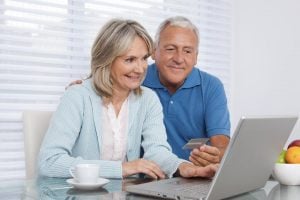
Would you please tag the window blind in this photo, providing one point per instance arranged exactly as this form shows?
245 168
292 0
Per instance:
45 44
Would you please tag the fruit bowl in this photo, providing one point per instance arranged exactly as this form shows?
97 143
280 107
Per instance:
287 174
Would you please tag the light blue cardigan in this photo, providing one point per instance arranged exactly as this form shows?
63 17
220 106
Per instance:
75 133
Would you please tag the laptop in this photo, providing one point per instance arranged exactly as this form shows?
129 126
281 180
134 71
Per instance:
246 164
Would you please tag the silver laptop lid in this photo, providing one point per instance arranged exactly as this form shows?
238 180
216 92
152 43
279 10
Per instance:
246 166
250 157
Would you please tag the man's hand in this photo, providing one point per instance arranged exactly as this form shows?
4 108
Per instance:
205 155
142 166
213 154
188 170
73 83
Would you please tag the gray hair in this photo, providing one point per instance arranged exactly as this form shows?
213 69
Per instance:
177 21
113 40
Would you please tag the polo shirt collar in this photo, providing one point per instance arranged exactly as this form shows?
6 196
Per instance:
152 78
193 79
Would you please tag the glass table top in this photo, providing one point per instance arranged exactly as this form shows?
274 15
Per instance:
57 188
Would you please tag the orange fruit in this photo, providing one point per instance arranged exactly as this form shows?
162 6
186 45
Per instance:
293 155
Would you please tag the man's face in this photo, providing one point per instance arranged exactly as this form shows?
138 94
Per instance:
175 56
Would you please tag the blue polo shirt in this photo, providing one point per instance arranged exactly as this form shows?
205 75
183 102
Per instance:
197 109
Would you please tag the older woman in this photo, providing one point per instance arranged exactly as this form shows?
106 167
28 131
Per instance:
109 118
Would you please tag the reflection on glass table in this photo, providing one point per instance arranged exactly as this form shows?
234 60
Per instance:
57 188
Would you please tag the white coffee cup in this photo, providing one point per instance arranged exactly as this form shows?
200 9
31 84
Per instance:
85 173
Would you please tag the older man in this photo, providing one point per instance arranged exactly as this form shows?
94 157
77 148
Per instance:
194 102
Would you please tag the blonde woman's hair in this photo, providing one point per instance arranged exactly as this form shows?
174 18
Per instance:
113 40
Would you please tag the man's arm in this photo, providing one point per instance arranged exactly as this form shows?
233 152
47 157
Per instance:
221 142
213 154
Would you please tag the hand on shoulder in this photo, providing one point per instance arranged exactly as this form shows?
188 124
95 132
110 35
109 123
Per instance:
73 83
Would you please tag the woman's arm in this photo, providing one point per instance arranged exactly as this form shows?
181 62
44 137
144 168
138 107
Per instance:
159 151
154 137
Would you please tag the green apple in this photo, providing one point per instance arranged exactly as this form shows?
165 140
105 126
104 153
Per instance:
281 158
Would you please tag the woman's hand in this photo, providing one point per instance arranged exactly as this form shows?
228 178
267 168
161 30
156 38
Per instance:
188 170
142 166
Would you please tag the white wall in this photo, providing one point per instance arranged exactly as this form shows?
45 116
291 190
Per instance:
266 59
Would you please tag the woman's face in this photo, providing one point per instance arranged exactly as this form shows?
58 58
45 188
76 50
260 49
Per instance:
128 70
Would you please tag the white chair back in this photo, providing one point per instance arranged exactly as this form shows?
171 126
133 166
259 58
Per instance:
35 125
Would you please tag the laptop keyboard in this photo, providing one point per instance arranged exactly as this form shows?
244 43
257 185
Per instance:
193 189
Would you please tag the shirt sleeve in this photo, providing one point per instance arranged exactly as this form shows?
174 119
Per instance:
154 138
216 113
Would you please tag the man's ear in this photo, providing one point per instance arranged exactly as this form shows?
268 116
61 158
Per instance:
196 59
153 54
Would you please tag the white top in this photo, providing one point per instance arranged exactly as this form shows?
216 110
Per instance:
114 139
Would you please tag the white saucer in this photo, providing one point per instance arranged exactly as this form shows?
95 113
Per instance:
88 186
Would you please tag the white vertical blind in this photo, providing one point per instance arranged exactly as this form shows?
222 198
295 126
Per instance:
45 44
